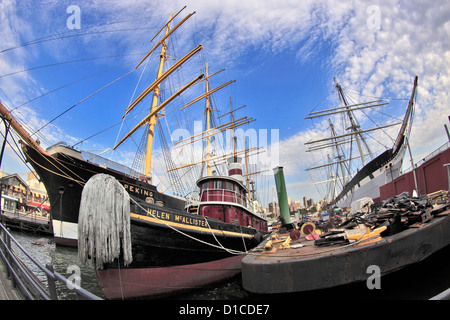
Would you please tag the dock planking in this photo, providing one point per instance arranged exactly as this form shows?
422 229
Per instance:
24 222
7 292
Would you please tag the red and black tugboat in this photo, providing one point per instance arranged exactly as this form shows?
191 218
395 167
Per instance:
176 250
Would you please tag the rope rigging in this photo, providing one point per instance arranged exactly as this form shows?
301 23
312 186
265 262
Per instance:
174 178
66 34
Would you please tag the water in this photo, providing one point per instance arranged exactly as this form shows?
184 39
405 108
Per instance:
420 281
43 249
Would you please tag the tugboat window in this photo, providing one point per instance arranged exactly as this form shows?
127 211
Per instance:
218 184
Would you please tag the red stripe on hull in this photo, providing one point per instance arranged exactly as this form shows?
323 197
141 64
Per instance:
65 242
145 282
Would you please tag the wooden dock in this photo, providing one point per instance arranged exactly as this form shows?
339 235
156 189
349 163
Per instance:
26 222
7 292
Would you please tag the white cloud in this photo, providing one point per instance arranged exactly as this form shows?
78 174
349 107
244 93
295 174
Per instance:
413 38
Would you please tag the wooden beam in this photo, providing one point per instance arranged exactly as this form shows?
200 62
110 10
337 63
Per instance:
165 37
162 105
206 94
151 87
345 109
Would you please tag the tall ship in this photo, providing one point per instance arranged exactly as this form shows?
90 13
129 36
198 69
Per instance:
174 243
345 184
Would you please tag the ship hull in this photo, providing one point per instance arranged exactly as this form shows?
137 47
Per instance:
159 281
64 176
165 238
368 181
174 251
386 181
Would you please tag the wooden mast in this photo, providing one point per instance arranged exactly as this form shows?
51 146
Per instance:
208 125
19 129
339 156
233 136
159 108
356 128
152 120
161 75
335 140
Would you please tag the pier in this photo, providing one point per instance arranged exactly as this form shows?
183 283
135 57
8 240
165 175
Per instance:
18 282
26 222
6 288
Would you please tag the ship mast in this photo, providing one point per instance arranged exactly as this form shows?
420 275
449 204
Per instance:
335 140
155 88
210 131
354 126
152 120
208 125
339 156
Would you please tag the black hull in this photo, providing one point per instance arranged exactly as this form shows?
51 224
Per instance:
175 251
288 274
165 238
170 237
64 177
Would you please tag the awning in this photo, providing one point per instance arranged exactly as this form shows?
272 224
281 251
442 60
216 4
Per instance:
39 205
9 198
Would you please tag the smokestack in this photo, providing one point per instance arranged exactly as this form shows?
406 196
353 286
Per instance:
282 196
235 168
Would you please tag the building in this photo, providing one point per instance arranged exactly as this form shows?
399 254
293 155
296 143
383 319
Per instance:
18 195
273 209
295 206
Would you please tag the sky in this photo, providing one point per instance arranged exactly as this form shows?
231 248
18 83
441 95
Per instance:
283 54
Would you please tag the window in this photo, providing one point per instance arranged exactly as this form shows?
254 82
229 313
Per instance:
218 184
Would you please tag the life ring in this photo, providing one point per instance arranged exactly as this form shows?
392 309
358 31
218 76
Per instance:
307 229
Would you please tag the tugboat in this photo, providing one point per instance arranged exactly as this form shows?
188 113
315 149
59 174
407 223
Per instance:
175 250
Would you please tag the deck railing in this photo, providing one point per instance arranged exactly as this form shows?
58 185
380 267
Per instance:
442 148
223 195
25 280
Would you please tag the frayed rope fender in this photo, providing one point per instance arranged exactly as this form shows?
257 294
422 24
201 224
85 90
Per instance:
104 221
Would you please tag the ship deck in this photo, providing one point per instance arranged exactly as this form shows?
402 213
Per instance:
305 266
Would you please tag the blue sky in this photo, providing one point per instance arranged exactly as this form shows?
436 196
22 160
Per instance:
282 54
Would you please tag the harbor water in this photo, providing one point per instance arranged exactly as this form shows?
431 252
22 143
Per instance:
420 281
